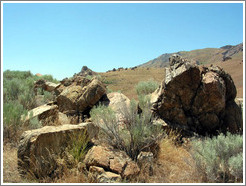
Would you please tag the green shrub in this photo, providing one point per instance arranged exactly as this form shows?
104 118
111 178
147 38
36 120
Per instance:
18 97
34 123
220 158
12 112
89 77
132 134
79 145
146 87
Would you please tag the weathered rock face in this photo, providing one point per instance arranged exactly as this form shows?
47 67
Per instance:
49 86
197 99
102 176
117 102
39 148
67 100
112 160
91 94
77 98
41 112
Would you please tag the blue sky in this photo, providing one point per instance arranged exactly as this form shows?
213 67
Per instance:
60 38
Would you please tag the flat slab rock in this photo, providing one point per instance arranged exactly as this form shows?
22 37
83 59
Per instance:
41 110
41 145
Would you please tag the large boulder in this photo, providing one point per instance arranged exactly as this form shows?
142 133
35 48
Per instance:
39 149
197 99
74 99
113 160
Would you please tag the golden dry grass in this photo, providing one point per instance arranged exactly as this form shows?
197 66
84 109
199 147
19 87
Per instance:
126 80
176 164
10 171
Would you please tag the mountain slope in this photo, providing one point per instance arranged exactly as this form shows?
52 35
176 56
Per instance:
201 56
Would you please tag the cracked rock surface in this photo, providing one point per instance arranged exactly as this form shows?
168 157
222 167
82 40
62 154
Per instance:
197 99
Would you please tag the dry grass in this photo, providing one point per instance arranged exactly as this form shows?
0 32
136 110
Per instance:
174 164
235 68
10 171
126 80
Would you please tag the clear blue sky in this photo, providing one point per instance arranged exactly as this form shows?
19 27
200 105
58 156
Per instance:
60 38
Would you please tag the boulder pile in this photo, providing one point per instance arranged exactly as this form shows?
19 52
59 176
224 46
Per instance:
197 99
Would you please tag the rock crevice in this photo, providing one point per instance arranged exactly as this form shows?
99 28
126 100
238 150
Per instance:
197 98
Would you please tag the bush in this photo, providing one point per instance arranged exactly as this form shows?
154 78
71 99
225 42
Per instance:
79 146
34 123
132 134
220 158
146 87
18 97
12 112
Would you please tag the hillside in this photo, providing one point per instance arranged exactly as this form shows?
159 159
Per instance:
201 56
126 80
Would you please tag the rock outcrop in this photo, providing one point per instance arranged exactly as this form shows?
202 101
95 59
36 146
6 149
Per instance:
85 71
78 99
112 160
197 99
39 149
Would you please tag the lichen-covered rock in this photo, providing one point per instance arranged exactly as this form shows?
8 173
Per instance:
38 149
197 99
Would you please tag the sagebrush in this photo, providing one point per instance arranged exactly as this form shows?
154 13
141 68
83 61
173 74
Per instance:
220 158
18 98
128 130
146 87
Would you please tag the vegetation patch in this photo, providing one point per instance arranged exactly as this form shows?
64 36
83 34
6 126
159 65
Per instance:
220 159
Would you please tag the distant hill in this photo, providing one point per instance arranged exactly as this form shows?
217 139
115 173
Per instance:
201 56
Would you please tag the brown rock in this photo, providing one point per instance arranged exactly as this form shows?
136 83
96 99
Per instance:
111 159
109 177
67 100
102 176
131 170
98 156
91 94
196 99
233 120
50 86
117 102
41 112
38 149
